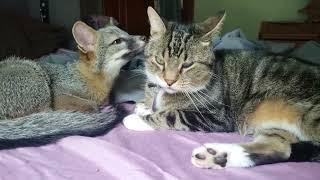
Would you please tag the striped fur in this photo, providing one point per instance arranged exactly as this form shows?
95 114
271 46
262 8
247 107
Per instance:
275 98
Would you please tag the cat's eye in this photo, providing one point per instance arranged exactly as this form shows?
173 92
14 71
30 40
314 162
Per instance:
187 65
159 61
117 41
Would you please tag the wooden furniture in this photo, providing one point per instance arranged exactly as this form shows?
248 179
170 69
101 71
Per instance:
290 32
297 32
132 14
312 10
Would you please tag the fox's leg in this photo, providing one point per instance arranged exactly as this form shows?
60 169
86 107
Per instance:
73 103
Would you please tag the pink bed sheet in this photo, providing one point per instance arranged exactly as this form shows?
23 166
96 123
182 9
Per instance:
125 154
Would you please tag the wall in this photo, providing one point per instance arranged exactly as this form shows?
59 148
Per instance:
14 6
61 12
33 8
64 12
248 14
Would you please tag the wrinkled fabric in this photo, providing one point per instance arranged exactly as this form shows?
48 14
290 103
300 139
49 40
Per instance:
126 154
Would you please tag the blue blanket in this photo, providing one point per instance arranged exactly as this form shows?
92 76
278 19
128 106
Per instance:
309 52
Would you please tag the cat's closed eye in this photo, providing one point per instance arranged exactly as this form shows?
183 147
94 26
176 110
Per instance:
187 65
159 61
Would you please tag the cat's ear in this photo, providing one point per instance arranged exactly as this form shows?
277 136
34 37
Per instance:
157 26
85 36
212 26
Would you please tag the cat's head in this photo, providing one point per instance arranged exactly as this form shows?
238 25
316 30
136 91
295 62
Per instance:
179 57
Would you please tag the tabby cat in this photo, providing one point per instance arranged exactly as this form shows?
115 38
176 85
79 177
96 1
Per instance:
193 88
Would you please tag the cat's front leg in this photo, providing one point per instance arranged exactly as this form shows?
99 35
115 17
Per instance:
185 120
271 146
142 110
169 119
219 156
135 121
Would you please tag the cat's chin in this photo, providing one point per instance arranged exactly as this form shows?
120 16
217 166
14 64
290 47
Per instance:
170 90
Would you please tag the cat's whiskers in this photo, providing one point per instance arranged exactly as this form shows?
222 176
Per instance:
206 107
211 98
206 102
188 85
191 85
195 85
188 95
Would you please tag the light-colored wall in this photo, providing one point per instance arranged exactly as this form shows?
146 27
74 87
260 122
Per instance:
248 14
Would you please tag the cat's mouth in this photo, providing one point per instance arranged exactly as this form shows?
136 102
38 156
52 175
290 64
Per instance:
170 90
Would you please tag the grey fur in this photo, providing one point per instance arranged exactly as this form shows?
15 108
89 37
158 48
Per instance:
47 127
29 93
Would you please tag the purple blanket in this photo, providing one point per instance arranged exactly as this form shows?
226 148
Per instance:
125 154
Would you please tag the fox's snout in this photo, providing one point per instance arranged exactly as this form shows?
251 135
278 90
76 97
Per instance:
139 42
143 38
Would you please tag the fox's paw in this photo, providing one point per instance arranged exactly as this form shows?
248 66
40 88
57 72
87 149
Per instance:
219 156
135 122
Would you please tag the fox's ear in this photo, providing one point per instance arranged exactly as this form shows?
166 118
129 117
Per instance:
157 26
212 26
85 36
112 22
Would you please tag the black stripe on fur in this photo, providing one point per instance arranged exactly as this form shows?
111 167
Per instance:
304 151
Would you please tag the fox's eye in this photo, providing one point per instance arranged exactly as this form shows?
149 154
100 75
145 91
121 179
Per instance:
159 61
187 65
117 41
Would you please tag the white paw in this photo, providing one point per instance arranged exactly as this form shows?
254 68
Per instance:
135 122
219 156
142 110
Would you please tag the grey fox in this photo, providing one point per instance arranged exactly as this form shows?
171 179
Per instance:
41 102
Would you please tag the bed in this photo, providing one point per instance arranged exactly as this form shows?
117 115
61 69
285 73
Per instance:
126 154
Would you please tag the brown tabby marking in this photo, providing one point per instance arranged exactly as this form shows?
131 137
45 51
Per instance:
275 112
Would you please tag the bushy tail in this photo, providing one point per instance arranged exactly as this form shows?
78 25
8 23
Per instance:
47 127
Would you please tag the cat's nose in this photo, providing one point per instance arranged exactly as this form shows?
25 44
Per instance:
170 81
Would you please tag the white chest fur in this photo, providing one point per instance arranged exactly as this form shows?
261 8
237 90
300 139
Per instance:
157 100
